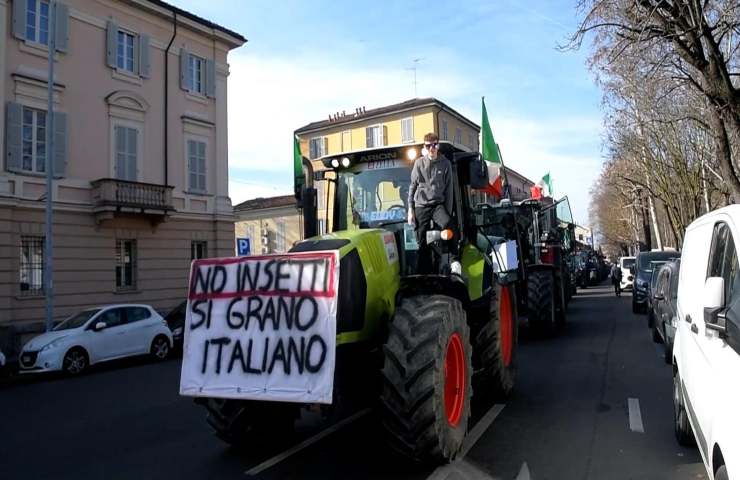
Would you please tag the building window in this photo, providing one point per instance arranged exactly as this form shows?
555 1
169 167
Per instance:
346 140
196 74
37 21
250 235
32 266
458 136
34 140
471 141
375 136
197 165
317 147
407 130
125 264
126 152
125 51
280 236
198 250
444 130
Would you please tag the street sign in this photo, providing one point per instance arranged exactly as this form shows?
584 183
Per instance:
243 247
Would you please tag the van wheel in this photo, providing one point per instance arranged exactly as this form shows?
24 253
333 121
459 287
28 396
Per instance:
160 347
681 425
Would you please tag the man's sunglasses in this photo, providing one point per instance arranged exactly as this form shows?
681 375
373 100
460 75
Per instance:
431 145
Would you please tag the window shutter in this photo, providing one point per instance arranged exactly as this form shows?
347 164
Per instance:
210 78
144 66
19 19
60 144
325 145
385 135
13 136
110 54
184 69
61 24
369 137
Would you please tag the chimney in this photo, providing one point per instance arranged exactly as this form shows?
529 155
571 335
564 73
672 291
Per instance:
363 109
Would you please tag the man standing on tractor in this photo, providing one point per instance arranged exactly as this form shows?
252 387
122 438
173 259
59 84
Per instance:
430 194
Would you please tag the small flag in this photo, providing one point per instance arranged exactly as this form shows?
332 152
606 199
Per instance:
491 154
547 182
298 178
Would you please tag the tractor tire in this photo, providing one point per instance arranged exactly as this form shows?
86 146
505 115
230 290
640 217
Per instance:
541 302
427 378
251 423
561 305
494 334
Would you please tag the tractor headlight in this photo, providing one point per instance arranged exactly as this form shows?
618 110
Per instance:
334 163
345 162
411 154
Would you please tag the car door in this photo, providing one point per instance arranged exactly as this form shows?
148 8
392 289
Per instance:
108 342
138 330
662 292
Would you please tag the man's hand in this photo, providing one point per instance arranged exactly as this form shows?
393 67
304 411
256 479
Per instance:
411 219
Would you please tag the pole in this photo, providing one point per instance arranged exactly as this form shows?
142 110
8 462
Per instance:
49 247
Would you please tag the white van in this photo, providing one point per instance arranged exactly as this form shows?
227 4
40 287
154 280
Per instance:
706 352
626 264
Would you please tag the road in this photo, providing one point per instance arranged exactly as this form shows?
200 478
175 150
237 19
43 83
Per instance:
569 418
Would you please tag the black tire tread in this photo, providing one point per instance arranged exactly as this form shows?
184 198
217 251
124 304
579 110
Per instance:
540 298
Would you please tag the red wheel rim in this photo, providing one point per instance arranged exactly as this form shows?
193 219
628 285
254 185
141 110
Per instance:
507 326
454 380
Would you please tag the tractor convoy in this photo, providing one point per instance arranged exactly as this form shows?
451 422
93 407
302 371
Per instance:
417 341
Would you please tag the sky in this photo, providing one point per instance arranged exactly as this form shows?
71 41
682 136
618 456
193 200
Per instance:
304 60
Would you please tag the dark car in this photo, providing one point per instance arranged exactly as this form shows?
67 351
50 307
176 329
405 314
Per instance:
665 295
643 274
654 267
176 321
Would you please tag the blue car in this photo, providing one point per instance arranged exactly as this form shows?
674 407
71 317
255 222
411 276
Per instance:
644 274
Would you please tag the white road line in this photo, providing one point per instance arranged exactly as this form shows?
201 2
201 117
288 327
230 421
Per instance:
524 473
306 443
635 415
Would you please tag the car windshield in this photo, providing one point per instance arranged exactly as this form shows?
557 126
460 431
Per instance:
628 262
645 258
78 320
372 195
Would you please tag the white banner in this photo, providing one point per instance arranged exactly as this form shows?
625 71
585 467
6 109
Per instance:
262 328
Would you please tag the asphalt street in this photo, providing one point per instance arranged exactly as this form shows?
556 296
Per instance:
592 403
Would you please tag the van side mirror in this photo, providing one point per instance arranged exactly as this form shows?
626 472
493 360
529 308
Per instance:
714 304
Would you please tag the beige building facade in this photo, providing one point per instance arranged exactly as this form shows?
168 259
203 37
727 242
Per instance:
272 225
140 157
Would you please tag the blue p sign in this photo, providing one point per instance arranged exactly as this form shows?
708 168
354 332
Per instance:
242 247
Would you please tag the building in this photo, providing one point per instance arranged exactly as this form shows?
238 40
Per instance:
519 185
272 225
140 155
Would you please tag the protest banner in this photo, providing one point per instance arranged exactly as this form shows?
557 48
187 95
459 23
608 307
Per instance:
262 328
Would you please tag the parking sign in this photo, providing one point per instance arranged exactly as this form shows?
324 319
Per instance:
242 247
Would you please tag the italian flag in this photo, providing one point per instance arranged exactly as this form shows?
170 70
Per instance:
492 156
298 178
538 190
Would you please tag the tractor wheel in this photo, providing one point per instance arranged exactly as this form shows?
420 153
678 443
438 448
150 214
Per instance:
541 301
561 304
427 378
246 422
495 337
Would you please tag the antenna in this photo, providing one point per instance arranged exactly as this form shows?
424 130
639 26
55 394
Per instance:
414 68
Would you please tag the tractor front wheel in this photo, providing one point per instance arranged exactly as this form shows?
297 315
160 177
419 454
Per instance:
427 378
244 423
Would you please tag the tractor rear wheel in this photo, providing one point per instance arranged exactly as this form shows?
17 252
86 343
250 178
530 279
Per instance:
541 301
495 338
246 422
427 378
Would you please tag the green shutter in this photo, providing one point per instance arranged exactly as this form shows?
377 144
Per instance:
60 144
13 136
61 32
368 137
112 33
184 55
19 19
143 60
210 78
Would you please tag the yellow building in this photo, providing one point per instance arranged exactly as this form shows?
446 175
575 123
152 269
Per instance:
272 225
399 124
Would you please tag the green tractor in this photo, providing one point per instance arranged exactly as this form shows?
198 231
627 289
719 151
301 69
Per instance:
544 229
418 345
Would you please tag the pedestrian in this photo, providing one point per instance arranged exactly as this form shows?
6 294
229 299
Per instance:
430 195
616 276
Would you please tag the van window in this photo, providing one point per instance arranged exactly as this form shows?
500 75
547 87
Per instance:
717 252
729 268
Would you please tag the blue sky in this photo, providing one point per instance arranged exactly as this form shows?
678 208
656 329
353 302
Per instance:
304 60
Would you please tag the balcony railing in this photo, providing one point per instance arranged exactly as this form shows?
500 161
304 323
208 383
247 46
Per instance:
112 195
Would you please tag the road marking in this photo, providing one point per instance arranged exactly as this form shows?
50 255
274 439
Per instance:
635 415
524 473
306 443
460 466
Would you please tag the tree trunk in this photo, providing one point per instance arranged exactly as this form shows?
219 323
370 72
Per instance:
724 152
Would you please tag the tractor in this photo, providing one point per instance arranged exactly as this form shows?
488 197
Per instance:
545 231
419 345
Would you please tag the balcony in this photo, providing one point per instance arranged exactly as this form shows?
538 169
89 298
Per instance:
113 198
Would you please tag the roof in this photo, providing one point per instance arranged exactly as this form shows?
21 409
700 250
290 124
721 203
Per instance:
389 109
269 202
196 18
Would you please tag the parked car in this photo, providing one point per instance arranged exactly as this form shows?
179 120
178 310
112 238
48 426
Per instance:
664 306
176 321
706 352
97 335
654 267
643 273
626 264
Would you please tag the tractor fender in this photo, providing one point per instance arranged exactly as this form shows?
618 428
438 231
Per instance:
449 285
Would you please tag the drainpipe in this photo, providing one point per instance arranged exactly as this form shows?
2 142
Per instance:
166 98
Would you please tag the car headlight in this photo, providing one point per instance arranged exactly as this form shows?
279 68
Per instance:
52 344
177 331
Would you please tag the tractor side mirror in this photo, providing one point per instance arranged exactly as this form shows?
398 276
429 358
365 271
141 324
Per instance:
478 173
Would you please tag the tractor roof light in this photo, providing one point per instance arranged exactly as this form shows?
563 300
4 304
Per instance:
411 154
345 162
334 162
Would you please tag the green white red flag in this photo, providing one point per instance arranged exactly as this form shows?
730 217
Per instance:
492 155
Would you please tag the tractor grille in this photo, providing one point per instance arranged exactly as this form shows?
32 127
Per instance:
352 294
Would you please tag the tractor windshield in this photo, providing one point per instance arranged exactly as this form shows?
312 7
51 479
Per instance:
370 197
